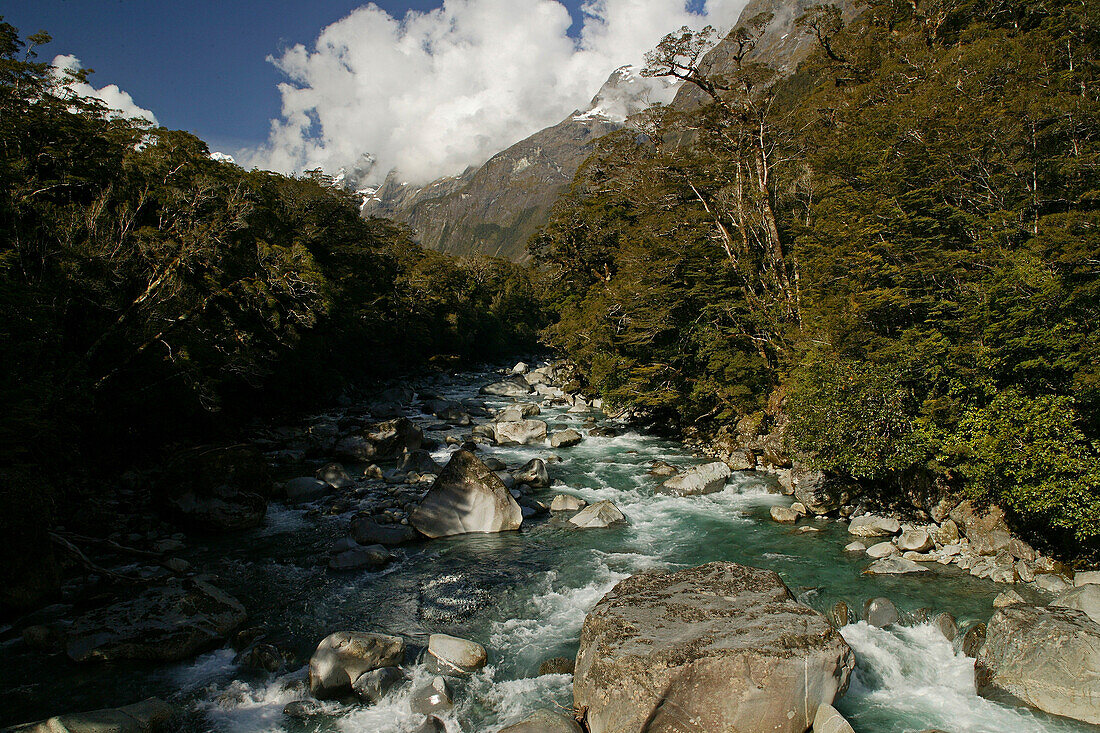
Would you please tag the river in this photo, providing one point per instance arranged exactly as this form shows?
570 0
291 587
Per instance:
524 596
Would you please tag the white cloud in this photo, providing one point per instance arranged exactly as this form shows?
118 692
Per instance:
432 93
119 102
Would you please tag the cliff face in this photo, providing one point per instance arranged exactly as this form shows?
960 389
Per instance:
496 208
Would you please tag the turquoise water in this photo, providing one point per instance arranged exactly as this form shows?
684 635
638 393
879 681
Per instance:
524 596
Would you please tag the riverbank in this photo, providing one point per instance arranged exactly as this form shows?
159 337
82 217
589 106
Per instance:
522 595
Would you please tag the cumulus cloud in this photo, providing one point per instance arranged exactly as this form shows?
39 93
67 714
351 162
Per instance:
120 103
431 93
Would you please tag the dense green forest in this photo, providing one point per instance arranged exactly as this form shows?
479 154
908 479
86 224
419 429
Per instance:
900 242
150 295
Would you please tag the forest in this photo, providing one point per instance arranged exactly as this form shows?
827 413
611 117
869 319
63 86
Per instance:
899 244
152 297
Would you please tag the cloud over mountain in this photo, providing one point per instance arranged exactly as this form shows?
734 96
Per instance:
432 93
119 102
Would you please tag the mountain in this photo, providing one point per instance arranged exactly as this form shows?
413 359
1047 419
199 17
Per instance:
494 209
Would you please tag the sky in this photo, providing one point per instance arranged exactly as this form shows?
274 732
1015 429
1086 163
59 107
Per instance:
425 86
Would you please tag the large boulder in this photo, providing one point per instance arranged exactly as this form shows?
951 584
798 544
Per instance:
466 497
724 646
305 488
341 658
544 721
1084 598
894 566
565 438
915 540
366 531
986 529
567 503
512 387
822 493
705 479
146 716
384 441
519 432
1048 658
451 655
164 624
871 526
598 516
533 473
419 461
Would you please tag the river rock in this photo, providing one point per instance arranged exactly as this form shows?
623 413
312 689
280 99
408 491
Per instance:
1051 583
567 503
451 655
372 686
987 530
303 709
431 724
1048 658
533 473
597 516
165 624
305 488
343 657
1007 598
705 479
855 546
972 640
544 721
146 716
883 549
370 557
366 531
820 492
557 665
431 696
383 441
723 645
894 566
840 615
466 497
947 625
520 368
565 438
783 514
947 533
522 432
419 461
1086 577
517 387
871 526
1085 598
880 612
228 511
829 720
335 476
915 540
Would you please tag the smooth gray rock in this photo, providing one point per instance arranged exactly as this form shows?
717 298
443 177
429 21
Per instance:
343 657
1086 577
305 488
508 388
533 473
303 709
164 624
783 514
1048 658
146 716
723 645
419 461
431 724
431 696
372 686
894 566
915 540
366 531
544 721
820 492
567 503
1007 598
705 479
1084 598
871 526
829 720
880 612
451 655
565 438
521 432
986 529
369 557
383 441
855 546
597 516
1051 583
947 625
466 497
883 549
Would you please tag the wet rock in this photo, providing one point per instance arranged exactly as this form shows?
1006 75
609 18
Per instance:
894 566
1048 658
915 540
168 623
557 665
662 468
1085 598
366 531
517 387
335 476
520 368
523 432
262 657
871 526
880 612
883 549
840 615
303 709
567 503
808 530
304 489
1051 583
947 625
972 640
545 721
451 655
1089 577
533 473
597 516
856 546
819 492
370 557
466 497
740 460
565 438
371 687
723 645
431 696
146 716
783 514
1008 598
383 441
431 724
829 720
343 657
419 461
705 479
603 432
